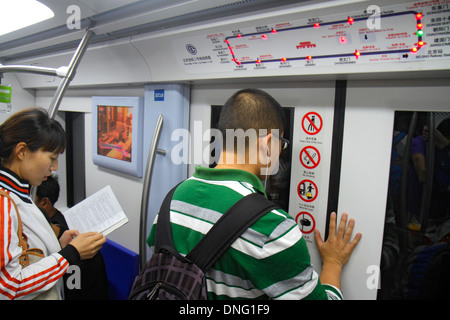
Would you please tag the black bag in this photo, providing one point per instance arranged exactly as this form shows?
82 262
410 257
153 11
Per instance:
170 276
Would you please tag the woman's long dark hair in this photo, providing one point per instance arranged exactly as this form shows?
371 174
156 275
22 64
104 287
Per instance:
35 128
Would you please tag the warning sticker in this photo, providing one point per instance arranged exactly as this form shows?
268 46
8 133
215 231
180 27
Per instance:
306 222
307 190
310 157
312 123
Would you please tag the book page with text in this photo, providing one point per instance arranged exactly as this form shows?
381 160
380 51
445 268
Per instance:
100 212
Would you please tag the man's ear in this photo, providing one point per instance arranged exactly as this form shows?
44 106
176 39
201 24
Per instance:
266 144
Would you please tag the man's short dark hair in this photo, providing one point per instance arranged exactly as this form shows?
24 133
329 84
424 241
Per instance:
49 188
251 109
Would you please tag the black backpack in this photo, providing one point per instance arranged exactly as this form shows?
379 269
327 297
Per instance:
170 276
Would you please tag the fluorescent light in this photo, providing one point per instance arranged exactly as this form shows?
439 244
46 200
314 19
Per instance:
18 14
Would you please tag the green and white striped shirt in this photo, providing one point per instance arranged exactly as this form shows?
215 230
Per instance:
269 260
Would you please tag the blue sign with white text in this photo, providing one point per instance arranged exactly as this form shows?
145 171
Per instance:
159 95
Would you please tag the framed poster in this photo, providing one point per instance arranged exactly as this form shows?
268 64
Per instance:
117 133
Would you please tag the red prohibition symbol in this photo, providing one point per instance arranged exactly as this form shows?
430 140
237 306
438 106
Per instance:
307 190
312 123
306 222
309 157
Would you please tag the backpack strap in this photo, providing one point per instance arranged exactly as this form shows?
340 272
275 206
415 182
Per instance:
228 228
163 232
225 231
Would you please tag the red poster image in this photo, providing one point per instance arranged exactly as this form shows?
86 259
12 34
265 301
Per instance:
115 132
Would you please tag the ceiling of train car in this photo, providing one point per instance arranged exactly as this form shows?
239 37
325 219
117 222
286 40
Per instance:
114 19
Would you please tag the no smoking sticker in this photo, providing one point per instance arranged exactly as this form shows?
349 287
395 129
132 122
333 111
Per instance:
306 222
307 190
312 123
310 157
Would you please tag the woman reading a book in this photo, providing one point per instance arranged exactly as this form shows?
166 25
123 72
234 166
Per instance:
30 143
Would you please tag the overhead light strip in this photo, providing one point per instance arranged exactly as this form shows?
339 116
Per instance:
19 14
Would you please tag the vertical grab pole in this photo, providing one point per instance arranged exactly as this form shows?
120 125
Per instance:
428 185
402 222
403 218
146 193
56 101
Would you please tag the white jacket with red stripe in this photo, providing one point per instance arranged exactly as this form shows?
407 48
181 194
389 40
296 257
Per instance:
26 283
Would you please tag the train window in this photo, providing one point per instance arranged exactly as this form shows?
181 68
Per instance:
277 187
415 259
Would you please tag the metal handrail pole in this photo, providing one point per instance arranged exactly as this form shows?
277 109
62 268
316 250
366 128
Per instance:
403 218
30 69
76 59
428 185
146 192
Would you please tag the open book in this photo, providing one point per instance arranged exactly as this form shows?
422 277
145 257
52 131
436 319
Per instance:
100 212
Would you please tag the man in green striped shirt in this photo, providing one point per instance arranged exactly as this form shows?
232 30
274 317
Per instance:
270 260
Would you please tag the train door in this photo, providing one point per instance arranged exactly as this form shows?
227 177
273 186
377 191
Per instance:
396 226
